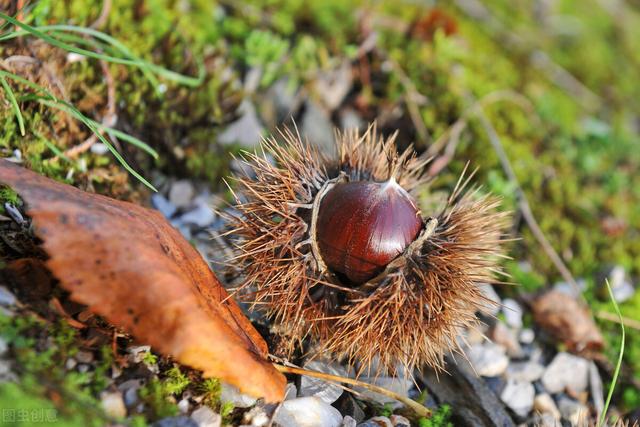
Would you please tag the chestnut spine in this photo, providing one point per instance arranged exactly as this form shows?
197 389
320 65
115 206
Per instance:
403 299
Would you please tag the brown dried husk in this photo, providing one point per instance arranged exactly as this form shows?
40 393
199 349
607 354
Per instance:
411 315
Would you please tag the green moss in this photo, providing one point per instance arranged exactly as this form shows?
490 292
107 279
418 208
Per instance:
440 418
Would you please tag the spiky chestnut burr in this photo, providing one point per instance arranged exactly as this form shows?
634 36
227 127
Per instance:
337 248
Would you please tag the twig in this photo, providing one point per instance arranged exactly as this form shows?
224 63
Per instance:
104 15
523 203
418 408
539 59
611 317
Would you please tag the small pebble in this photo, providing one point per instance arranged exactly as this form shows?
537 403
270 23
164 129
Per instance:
70 363
183 405
348 421
545 404
566 371
526 336
399 421
525 371
99 148
492 305
14 213
166 208
6 298
488 360
512 313
113 405
518 396
378 422
505 337
399 385
181 193
572 411
205 417
307 412
201 216
230 394
621 287
327 391
256 417
246 131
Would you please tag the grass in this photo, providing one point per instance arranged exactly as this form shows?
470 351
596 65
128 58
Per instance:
603 415
106 43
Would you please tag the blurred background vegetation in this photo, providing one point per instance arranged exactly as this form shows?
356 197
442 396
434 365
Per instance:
556 79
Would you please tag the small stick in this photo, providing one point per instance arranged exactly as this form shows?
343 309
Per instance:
523 203
418 408
611 317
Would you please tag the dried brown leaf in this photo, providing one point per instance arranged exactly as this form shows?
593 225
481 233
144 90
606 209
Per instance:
127 264
568 321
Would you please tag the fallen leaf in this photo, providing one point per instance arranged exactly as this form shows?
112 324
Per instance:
568 321
127 264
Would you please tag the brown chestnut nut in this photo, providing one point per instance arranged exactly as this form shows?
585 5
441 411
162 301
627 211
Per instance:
362 226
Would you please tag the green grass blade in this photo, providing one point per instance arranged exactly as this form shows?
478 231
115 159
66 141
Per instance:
138 63
14 103
612 386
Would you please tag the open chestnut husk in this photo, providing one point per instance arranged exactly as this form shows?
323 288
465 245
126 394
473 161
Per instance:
339 249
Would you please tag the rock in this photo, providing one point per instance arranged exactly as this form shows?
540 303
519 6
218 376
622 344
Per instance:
166 208
503 336
488 360
377 422
546 420
526 336
347 405
183 405
518 396
399 421
201 216
328 392
4 347
496 384
621 287
566 371
307 412
70 364
246 131
347 421
572 411
570 290
525 371
181 421
512 313
7 299
317 127
596 389
113 405
99 148
230 394
291 392
399 385
544 404
493 301
14 213
181 193
205 417
256 417
138 353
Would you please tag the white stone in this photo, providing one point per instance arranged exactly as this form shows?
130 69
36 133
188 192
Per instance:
519 395
512 313
205 417
348 421
488 360
6 298
307 412
544 404
325 390
113 405
399 385
526 336
230 394
493 301
566 371
181 193
399 421
525 371
572 411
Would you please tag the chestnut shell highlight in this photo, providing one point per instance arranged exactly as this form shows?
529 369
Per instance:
302 215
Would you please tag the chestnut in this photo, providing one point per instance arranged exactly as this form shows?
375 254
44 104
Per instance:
362 226
338 249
